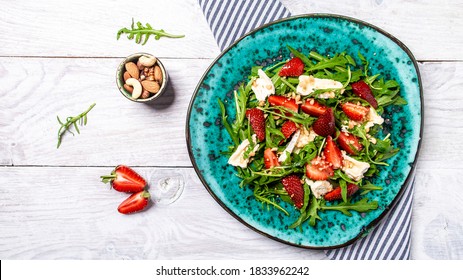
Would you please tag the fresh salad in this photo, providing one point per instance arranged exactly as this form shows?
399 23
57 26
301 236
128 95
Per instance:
307 132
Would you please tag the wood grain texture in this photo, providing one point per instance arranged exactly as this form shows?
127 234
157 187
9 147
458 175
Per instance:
91 26
437 219
118 130
67 213
427 27
88 28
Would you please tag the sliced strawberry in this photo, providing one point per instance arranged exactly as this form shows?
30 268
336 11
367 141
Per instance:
332 153
355 112
288 128
325 124
313 108
257 119
318 169
293 187
336 193
270 159
124 179
134 203
349 142
292 68
363 90
278 100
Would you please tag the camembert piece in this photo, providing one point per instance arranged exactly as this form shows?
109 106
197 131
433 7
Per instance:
308 84
319 188
238 157
354 168
263 86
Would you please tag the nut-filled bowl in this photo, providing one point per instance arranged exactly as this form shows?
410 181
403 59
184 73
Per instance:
141 77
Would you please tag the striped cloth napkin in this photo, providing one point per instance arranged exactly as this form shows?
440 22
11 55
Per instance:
390 240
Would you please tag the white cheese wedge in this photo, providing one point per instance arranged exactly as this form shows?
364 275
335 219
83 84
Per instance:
373 118
353 168
238 159
308 84
263 86
289 149
319 188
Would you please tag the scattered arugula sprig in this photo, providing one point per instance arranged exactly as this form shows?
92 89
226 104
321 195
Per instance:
72 121
266 183
139 31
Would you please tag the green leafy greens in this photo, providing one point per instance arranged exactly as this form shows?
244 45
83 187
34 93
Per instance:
80 119
266 183
139 31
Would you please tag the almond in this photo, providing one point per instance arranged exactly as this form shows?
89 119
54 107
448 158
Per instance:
132 69
128 88
126 75
150 86
158 74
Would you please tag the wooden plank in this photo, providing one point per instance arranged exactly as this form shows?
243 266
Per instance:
67 213
437 221
88 28
118 130
70 214
39 89
428 28
443 104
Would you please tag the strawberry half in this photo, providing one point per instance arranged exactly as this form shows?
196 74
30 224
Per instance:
332 153
278 100
124 179
134 203
270 159
363 90
257 119
292 68
313 108
325 124
336 193
293 187
318 169
288 128
349 142
355 112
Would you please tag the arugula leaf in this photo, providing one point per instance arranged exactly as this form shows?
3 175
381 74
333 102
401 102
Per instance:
140 31
368 187
345 207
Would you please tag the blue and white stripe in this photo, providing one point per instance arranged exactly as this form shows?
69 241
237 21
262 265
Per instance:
231 19
390 240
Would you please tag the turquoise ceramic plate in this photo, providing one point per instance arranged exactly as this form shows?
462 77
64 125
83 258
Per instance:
327 34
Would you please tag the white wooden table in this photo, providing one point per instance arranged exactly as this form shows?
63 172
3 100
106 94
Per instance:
58 57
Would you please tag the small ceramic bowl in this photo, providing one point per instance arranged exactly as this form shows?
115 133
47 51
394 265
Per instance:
120 78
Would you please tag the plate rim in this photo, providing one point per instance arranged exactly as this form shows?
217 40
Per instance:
368 228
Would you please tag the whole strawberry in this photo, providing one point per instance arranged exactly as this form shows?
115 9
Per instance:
325 124
124 179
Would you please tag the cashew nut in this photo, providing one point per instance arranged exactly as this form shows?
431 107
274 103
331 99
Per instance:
137 89
147 61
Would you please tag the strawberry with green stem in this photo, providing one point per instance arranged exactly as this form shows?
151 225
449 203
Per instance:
124 179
